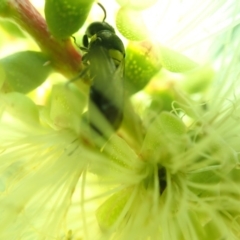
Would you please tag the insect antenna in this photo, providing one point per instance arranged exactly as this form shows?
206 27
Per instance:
104 11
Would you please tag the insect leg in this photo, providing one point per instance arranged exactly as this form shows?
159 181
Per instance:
82 73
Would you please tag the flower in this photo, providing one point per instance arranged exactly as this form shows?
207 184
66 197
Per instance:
170 172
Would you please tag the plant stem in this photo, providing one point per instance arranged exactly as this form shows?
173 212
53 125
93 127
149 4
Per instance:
63 55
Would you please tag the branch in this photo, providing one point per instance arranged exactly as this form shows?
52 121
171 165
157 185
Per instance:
63 55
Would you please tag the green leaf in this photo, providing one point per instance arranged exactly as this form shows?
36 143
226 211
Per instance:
25 71
11 28
141 65
3 7
65 17
130 24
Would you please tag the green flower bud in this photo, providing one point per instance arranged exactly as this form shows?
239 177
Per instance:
25 71
141 65
130 24
65 17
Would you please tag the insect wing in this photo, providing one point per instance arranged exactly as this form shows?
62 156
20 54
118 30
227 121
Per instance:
106 93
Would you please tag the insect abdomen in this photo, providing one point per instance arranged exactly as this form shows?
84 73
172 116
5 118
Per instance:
104 114
106 98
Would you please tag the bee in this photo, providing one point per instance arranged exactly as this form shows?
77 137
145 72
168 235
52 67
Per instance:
103 63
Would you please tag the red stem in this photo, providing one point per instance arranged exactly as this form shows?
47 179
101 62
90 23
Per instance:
62 54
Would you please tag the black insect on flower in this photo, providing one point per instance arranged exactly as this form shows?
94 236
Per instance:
103 63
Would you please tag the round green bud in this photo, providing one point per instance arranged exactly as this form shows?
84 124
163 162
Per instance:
140 66
65 17
131 25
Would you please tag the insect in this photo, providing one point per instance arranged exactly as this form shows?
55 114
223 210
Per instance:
104 64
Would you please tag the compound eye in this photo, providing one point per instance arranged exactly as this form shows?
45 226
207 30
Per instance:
85 41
